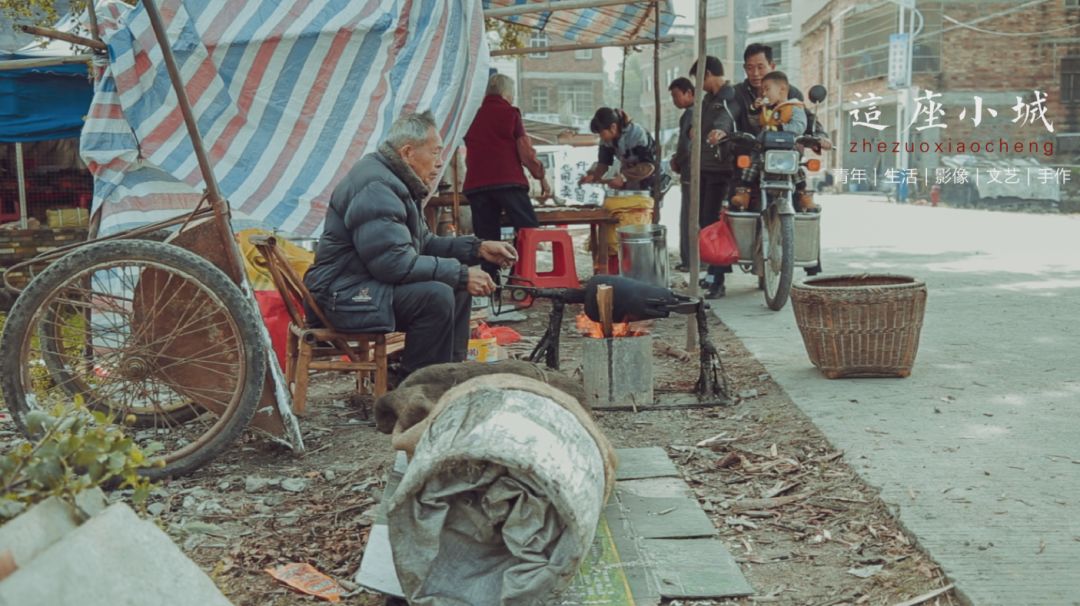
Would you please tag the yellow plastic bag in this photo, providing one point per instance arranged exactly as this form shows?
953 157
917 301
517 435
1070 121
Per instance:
299 258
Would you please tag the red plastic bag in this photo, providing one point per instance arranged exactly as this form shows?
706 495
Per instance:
276 317
503 335
717 245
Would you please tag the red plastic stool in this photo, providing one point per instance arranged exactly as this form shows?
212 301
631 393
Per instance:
564 272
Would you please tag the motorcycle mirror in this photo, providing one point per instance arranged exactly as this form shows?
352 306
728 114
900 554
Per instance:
817 93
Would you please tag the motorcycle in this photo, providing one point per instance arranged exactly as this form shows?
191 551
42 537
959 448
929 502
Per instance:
766 237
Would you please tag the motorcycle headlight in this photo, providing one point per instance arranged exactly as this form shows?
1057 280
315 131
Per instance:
785 162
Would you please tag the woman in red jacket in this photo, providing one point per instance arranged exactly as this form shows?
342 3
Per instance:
498 147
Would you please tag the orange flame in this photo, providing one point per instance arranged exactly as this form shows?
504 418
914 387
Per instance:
595 330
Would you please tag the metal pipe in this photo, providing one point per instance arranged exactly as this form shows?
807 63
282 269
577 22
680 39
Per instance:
550 6
21 175
695 173
562 48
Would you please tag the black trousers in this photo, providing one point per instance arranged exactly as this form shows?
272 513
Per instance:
715 187
487 208
435 319
684 225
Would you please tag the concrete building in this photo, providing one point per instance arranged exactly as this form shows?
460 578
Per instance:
560 87
974 58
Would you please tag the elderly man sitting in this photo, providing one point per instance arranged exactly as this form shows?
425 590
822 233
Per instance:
379 269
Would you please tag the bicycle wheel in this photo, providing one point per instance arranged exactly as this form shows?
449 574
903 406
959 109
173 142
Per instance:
148 332
60 355
778 249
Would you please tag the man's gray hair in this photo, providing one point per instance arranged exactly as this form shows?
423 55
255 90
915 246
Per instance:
411 129
502 85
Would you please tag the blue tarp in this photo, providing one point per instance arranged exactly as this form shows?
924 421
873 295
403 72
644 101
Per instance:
43 103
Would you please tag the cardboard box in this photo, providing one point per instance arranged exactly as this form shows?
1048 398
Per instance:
484 350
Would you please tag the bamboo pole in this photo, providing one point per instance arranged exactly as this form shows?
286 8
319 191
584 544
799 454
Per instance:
92 12
43 62
221 208
656 113
695 173
66 37
563 48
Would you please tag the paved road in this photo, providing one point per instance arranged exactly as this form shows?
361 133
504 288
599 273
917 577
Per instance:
979 450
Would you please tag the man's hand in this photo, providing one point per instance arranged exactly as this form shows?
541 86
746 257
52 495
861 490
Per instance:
586 178
545 189
480 283
617 181
823 144
674 164
716 136
499 253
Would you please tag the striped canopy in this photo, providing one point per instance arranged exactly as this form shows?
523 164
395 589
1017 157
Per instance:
601 25
287 95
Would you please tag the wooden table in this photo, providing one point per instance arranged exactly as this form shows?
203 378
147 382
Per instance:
599 220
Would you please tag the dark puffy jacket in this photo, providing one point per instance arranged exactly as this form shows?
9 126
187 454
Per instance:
717 114
374 238
746 96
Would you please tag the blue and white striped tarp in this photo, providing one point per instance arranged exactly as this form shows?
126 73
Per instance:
604 24
288 96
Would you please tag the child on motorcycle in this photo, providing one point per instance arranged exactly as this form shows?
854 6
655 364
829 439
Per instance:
777 114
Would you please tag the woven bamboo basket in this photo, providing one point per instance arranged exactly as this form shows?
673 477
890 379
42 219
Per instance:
860 325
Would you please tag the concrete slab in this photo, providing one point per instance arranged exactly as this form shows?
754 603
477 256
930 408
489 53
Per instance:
113 559
978 450
39 527
696 568
665 517
638 463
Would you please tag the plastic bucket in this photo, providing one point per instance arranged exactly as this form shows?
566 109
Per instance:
744 228
643 253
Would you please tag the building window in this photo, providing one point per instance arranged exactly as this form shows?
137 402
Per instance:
538 40
716 8
778 53
1070 79
576 99
717 47
539 100
1072 3
585 53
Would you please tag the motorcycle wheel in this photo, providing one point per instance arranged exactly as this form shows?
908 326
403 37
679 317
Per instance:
778 251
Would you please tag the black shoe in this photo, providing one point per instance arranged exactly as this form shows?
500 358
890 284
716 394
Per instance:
703 283
716 291
682 267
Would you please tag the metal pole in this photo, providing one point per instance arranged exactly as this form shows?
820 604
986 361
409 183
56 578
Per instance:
656 104
695 173
565 48
221 208
23 223
901 129
551 5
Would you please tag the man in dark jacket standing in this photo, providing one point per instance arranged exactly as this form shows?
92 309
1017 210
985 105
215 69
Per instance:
379 269
719 115
682 96
497 149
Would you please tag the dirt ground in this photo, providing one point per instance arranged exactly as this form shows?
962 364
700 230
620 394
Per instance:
805 529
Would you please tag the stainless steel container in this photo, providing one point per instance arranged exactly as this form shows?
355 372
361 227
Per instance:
807 239
744 228
643 253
